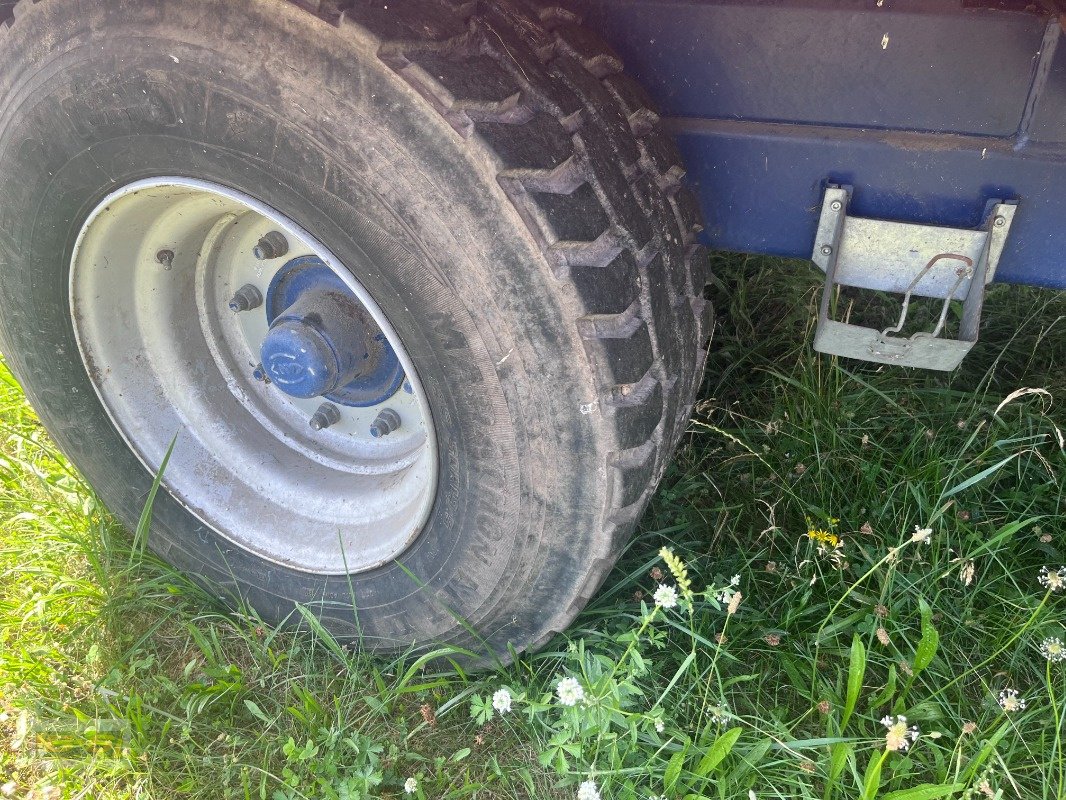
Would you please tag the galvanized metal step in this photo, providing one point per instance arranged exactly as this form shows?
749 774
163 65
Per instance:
912 260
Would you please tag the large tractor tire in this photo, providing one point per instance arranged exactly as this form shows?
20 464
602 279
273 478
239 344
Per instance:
409 292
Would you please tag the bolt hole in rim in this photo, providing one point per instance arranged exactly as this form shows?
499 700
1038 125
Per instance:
167 286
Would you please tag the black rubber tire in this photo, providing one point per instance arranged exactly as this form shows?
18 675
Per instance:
536 251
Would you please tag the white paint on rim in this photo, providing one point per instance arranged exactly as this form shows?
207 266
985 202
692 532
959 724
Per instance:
168 359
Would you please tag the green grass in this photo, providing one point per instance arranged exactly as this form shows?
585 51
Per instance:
120 679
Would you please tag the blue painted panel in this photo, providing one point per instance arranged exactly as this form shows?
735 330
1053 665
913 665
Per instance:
771 99
762 187
1049 124
919 65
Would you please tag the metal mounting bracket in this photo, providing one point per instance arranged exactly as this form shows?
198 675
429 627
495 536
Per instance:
912 260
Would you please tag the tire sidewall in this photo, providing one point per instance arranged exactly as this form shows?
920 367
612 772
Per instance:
363 168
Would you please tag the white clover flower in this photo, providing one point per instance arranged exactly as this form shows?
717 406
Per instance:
735 580
570 692
1010 702
588 791
410 786
665 596
1052 579
501 700
899 737
922 535
1053 649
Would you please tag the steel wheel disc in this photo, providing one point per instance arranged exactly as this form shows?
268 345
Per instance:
171 361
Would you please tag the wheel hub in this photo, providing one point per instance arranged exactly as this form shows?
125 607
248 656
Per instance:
321 342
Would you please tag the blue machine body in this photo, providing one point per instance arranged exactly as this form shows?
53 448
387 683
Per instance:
928 108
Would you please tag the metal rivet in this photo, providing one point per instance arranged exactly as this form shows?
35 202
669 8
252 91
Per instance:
271 245
387 421
166 258
835 205
326 415
260 374
827 250
999 222
246 298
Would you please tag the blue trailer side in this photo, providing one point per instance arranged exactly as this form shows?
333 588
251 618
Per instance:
927 109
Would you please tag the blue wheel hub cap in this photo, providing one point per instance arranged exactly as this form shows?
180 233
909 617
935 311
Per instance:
322 341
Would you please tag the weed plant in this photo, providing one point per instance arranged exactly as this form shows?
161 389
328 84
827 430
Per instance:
849 585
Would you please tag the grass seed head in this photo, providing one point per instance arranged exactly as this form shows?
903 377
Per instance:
1053 649
1054 580
899 737
1010 702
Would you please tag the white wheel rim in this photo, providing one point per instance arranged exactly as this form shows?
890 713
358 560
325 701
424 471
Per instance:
171 362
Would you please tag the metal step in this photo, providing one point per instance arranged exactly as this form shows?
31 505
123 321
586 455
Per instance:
912 260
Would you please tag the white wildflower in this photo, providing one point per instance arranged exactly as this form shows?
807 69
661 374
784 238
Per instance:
660 726
1053 649
501 700
588 791
570 692
899 737
922 535
1053 580
665 596
1010 702
734 581
719 715
410 786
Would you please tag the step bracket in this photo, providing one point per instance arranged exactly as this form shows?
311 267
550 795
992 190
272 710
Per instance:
912 260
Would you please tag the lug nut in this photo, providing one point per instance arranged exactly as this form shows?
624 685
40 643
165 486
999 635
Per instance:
246 298
835 205
827 250
260 374
326 415
166 258
272 245
1000 221
387 421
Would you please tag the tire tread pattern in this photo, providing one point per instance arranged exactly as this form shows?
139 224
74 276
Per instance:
583 159
581 154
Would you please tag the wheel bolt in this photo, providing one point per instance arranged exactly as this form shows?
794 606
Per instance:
246 298
326 415
387 421
272 245
166 258
260 374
